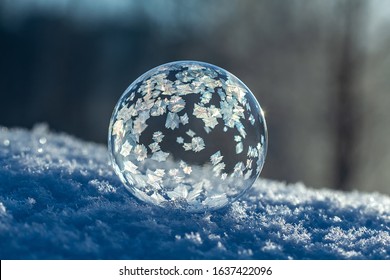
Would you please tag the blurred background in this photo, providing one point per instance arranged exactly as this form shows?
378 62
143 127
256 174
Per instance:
320 70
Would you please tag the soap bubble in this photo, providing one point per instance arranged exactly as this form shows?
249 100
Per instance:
187 135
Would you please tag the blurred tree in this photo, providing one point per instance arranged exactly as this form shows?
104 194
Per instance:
346 60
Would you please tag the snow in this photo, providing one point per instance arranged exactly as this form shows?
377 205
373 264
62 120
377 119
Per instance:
59 199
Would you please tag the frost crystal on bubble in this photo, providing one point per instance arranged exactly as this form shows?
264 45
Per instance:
130 167
158 109
239 148
126 149
140 152
190 133
185 134
117 128
139 126
184 119
187 146
187 169
172 121
160 156
154 147
158 136
197 144
176 104
216 158
252 119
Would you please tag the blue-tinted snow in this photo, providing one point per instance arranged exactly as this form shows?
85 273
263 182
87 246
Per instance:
59 199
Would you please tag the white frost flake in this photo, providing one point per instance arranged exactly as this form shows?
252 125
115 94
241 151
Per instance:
159 108
218 168
184 119
159 172
172 121
187 146
139 125
179 192
216 158
252 152
191 133
239 148
3 210
160 156
252 119
126 149
130 167
238 169
141 152
197 144
173 172
117 128
176 104
154 147
208 115
187 169
158 136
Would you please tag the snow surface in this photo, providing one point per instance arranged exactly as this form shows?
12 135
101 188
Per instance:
59 199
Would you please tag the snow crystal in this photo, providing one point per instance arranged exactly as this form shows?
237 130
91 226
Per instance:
2 208
65 202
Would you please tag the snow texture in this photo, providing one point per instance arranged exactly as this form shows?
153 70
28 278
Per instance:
59 199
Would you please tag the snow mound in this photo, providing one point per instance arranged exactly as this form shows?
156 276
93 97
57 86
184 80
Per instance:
59 199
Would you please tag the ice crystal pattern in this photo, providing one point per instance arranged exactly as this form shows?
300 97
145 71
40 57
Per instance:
187 135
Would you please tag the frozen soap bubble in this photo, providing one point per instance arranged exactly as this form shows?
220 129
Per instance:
187 135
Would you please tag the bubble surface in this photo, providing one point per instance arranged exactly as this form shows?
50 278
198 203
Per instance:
187 135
